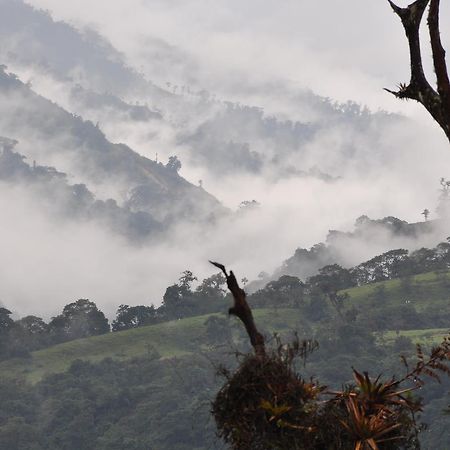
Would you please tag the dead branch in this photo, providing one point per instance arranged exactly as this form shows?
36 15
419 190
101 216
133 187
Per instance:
440 67
242 310
437 103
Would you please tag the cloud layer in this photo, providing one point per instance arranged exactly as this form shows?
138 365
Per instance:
345 49
263 54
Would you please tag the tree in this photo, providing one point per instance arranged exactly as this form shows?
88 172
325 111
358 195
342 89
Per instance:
179 299
186 280
286 291
174 163
248 205
218 330
443 208
15 433
6 323
332 278
425 260
392 264
425 213
29 333
134 316
33 325
210 294
436 101
78 320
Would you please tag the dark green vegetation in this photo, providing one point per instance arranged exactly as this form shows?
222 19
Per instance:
400 304
151 386
267 404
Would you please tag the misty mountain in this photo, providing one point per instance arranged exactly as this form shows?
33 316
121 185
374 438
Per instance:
54 137
245 138
90 100
50 191
30 37
149 156
369 238
217 136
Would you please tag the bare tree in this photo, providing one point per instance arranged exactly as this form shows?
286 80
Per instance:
242 310
436 101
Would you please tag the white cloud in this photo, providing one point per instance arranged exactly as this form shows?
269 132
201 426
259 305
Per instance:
345 49
261 53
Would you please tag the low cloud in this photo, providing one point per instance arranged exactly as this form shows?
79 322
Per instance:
265 56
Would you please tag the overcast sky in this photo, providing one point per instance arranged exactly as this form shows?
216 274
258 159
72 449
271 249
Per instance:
259 52
345 49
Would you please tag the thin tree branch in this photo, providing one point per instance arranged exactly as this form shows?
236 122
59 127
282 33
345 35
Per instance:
419 89
440 67
242 310
411 18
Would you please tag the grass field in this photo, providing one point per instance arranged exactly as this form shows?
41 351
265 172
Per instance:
425 289
430 336
171 339
183 336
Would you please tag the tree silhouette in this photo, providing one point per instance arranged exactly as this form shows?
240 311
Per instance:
174 163
436 101
425 213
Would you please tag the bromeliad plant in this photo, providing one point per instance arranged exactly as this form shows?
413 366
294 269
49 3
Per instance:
377 413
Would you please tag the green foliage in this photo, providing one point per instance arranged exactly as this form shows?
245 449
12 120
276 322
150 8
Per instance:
287 291
218 331
260 406
78 320
171 339
6 323
374 323
134 316
266 404
332 278
156 388
139 404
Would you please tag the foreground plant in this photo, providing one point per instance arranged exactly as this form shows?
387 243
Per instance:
266 404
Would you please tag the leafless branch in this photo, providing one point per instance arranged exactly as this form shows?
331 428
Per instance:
242 310
437 102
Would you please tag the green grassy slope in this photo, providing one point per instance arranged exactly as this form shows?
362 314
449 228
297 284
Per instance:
180 337
431 336
426 288
170 339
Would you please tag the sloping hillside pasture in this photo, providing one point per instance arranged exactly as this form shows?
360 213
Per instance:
184 336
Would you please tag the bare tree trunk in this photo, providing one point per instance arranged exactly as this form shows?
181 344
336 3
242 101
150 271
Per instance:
436 102
242 310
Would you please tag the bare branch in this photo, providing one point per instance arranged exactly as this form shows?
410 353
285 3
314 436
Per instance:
437 102
242 310
440 67
411 18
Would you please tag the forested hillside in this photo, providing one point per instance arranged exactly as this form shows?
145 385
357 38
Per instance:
222 137
151 387
81 149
